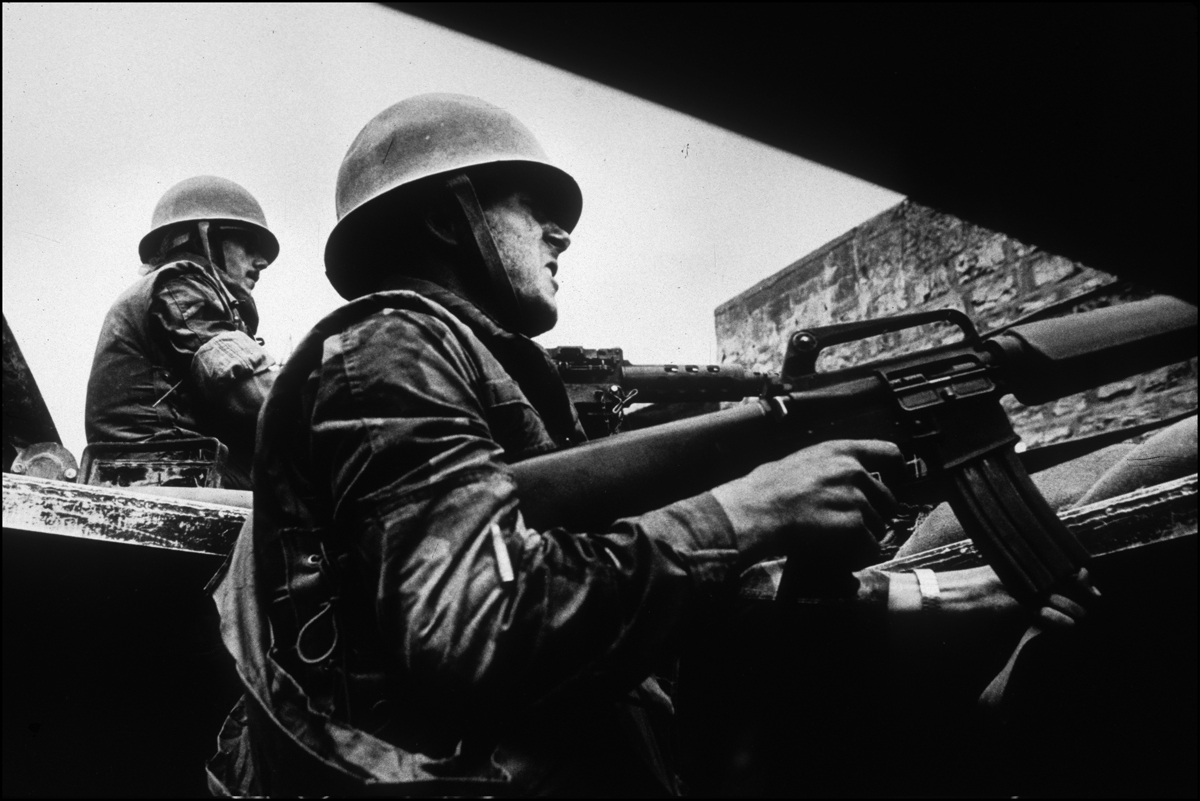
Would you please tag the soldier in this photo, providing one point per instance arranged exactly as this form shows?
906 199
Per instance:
177 356
395 623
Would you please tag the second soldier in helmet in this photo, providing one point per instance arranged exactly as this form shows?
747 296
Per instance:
177 356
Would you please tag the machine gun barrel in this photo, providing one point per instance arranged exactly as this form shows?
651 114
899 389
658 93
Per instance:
940 406
601 384
667 383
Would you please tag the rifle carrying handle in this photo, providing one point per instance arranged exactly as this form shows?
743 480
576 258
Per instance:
806 345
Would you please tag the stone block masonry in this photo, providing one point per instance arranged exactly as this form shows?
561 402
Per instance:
912 258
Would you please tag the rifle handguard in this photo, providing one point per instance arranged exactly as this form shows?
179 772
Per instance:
1050 359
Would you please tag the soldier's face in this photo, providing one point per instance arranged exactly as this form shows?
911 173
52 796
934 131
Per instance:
529 243
243 262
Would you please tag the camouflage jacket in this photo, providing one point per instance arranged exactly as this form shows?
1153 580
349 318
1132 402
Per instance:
393 620
176 359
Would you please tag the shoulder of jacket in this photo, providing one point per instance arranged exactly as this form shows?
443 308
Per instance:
412 308
148 285
413 328
178 268
187 271
184 276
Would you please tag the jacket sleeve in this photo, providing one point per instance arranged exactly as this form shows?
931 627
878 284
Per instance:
224 366
234 373
482 613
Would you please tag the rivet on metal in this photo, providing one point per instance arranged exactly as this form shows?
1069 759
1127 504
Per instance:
804 341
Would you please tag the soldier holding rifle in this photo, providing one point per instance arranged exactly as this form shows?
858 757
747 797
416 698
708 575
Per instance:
397 626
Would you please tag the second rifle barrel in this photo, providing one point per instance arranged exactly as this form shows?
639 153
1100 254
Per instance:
666 383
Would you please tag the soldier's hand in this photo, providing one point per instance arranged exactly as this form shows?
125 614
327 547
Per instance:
1062 612
823 501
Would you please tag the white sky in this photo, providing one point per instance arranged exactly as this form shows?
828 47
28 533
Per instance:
106 106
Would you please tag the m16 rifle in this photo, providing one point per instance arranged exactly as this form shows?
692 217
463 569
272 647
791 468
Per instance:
941 406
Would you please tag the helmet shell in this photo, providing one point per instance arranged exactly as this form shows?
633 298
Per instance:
207 197
437 134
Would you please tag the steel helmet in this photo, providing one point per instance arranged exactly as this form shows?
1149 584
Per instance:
429 135
207 197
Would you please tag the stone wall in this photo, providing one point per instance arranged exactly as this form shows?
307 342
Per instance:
911 258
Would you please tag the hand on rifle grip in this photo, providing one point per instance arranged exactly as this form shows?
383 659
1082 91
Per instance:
819 504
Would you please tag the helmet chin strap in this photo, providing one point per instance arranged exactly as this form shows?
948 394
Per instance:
507 307
231 303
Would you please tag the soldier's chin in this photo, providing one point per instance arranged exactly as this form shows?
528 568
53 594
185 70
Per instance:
538 318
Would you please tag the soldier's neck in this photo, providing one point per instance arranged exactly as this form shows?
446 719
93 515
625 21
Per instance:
447 278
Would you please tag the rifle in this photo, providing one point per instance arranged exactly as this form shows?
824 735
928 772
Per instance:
941 406
601 384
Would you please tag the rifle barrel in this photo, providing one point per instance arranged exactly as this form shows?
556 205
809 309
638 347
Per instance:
667 383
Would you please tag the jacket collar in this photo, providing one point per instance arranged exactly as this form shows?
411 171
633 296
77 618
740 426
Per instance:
247 309
525 360
484 325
